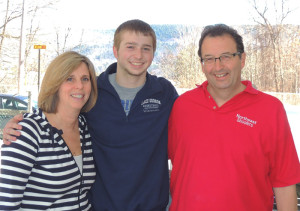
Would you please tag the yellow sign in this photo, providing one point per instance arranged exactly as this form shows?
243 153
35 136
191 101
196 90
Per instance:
39 46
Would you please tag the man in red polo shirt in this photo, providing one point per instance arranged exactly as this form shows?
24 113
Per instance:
230 145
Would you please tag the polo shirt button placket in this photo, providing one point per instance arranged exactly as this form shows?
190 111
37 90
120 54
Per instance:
214 107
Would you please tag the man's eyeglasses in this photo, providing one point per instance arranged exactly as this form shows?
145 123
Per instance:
224 58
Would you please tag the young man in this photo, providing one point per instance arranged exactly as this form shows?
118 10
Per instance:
230 144
129 126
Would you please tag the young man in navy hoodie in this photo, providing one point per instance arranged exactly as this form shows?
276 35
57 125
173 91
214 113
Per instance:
129 126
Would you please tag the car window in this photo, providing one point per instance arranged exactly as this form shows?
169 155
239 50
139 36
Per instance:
20 105
13 104
8 104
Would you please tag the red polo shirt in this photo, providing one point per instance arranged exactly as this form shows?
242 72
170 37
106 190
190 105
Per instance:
229 157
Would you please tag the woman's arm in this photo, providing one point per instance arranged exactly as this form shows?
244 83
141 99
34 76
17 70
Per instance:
17 161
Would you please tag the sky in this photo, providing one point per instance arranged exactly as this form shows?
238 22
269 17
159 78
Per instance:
111 13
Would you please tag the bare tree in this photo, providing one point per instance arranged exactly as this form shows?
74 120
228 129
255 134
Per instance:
61 42
183 66
9 15
272 34
10 18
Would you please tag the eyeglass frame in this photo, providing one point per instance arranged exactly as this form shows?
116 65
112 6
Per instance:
220 58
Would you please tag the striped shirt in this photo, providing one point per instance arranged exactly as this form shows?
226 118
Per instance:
38 171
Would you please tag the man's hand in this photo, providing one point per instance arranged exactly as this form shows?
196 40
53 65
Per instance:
10 130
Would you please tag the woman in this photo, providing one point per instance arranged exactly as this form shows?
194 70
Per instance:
51 166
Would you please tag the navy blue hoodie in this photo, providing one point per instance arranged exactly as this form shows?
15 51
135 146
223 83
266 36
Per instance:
131 151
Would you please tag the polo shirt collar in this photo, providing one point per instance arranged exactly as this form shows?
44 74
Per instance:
249 88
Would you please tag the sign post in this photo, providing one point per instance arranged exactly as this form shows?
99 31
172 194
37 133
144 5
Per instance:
39 47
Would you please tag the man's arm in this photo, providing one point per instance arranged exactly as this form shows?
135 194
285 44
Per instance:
10 130
286 198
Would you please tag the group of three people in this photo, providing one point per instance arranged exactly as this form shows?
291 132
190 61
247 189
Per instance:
105 145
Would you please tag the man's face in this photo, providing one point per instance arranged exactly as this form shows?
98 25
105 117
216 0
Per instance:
135 54
222 76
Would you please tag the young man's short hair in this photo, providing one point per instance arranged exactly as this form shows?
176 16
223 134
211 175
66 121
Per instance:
136 26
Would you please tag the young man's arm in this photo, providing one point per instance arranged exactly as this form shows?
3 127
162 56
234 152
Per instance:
10 130
286 198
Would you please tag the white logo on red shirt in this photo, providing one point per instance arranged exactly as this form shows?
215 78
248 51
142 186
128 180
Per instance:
245 120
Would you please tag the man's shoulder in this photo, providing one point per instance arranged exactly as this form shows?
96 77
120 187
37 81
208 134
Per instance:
112 68
191 92
268 98
190 96
102 76
159 79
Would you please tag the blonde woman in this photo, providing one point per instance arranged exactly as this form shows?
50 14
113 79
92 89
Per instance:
51 166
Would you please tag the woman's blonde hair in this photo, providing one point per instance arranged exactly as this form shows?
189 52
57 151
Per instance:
57 73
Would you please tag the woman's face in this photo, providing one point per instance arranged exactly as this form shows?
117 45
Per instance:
76 90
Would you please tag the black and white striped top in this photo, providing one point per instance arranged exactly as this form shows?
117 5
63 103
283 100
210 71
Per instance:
38 171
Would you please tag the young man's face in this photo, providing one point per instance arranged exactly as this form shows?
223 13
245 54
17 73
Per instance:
222 75
135 54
